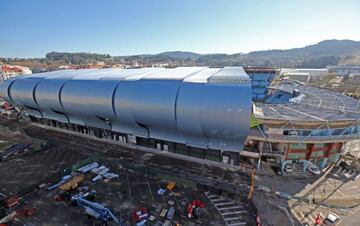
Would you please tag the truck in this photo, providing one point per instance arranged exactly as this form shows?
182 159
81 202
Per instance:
96 210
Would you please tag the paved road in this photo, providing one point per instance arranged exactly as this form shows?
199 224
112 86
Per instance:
340 187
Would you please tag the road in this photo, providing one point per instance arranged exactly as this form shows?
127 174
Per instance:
339 188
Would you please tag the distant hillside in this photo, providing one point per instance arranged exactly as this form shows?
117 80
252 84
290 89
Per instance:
77 58
320 55
181 55
324 48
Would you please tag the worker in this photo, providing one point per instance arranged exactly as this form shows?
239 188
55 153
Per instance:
318 220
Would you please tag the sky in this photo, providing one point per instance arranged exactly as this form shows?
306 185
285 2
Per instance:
32 28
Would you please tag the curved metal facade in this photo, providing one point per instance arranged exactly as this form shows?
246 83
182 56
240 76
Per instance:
197 106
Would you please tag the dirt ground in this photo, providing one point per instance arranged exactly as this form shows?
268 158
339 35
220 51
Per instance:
140 176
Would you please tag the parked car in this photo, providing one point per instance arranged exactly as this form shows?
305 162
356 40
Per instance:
331 219
288 168
312 168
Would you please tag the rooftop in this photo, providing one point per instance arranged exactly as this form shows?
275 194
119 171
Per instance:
314 105
186 74
11 69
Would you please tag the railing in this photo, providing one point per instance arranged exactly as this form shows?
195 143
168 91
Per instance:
257 133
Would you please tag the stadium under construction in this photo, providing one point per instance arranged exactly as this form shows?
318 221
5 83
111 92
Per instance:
219 114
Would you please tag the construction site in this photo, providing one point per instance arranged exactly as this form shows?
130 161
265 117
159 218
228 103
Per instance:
212 146
43 185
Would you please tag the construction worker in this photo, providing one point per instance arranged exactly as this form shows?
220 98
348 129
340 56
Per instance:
318 220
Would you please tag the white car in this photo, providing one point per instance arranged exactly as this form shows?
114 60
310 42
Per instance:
332 219
288 168
314 169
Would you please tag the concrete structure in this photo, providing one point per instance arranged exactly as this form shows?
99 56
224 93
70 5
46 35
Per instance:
302 74
197 111
342 70
311 125
205 109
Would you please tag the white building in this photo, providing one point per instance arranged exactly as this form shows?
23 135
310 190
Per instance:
342 70
7 71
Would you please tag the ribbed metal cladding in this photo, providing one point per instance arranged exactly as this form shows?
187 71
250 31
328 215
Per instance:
197 106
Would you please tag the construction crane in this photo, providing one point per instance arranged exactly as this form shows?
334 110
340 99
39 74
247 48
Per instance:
252 185
97 210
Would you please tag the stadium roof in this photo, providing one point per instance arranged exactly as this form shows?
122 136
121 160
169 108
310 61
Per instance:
315 105
197 106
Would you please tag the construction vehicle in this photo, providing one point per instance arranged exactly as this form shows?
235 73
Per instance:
96 210
170 185
25 212
85 195
170 213
73 183
163 212
61 182
62 195
12 201
139 214
194 208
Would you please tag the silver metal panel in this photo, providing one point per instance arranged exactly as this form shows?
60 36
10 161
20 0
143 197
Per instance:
178 73
32 112
226 112
188 114
202 76
4 89
48 98
215 116
22 92
64 74
154 106
200 107
118 73
124 105
230 75
89 102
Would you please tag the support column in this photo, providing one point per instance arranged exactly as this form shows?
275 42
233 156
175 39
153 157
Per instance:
282 162
335 157
261 147
328 150
310 151
327 154
305 165
323 163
